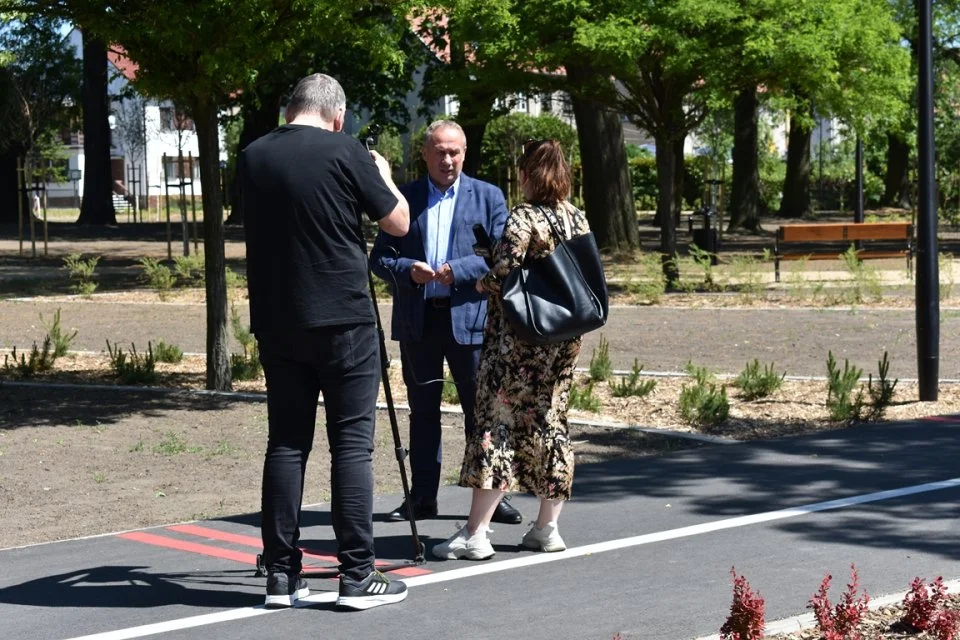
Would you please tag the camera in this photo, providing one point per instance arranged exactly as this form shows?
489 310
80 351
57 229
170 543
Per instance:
483 244
373 136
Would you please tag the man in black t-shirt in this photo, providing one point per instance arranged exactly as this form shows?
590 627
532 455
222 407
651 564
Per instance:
305 187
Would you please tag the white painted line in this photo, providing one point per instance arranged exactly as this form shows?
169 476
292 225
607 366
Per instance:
544 558
808 621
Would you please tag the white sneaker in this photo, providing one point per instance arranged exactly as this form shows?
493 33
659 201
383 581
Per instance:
547 539
463 545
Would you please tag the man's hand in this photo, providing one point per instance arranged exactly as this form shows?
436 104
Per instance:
422 273
444 275
382 165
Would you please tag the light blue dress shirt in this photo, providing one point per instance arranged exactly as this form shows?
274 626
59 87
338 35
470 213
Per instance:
436 233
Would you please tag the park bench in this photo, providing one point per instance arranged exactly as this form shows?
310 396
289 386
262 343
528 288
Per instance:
819 240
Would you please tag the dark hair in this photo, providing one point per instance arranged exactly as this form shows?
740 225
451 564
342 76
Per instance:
546 171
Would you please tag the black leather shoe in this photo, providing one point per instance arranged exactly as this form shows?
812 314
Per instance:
422 509
506 514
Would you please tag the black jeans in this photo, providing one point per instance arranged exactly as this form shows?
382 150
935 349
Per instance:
342 362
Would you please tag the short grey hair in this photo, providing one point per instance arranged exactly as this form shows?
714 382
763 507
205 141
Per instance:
317 94
436 125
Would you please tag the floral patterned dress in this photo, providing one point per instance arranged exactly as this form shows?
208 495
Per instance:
520 441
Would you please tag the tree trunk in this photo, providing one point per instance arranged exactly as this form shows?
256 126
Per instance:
796 184
8 188
666 167
97 205
218 356
745 192
258 120
896 192
607 195
473 116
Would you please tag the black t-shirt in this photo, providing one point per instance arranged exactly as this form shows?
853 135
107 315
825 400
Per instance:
303 190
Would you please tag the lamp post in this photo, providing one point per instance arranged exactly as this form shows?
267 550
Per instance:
927 285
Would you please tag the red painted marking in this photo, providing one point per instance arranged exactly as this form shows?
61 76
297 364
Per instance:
192 547
252 541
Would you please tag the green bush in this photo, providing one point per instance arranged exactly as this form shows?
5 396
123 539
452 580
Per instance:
582 398
158 276
81 272
630 386
189 269
246 366
702 404
40 360
756 383
840 386
449 395
601 368
132 368
170 353
60 340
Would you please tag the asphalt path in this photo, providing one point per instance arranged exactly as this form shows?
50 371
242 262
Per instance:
651 545
658 338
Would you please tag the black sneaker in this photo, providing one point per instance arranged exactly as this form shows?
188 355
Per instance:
285 589
375 590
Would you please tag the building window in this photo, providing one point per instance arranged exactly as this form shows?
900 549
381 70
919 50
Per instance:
171 168
173 120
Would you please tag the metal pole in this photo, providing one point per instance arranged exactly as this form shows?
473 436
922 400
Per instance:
858 211
21 194
928 276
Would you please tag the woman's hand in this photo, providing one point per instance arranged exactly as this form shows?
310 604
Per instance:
479 286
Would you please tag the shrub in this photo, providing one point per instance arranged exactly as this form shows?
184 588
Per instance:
839 388
40 360
754 383
652 284
746 271
703 260
881 395
60 340
925 610
840 622
164 352
631 385
132 368
190 269
234 280
701 404
601 368
746 619
157 276
81 272
582 398
866 280
246 366
450 394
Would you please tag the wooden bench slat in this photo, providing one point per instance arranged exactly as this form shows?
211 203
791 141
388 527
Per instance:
837 231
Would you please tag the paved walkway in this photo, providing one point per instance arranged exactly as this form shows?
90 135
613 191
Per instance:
651 546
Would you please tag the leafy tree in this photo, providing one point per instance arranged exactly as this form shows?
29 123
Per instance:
39 93
199 55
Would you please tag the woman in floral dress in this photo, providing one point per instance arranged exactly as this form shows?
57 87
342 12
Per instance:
521 440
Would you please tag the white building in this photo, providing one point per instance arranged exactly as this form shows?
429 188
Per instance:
147 138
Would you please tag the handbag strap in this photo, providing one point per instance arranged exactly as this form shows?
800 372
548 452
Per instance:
559 237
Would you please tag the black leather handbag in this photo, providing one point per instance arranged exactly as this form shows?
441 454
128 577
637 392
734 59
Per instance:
559 297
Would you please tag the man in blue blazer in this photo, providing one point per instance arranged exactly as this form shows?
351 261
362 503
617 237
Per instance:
437 312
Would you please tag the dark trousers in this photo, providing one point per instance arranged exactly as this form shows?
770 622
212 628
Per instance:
422 363
343 362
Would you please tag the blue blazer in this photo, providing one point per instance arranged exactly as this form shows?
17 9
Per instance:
392 257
